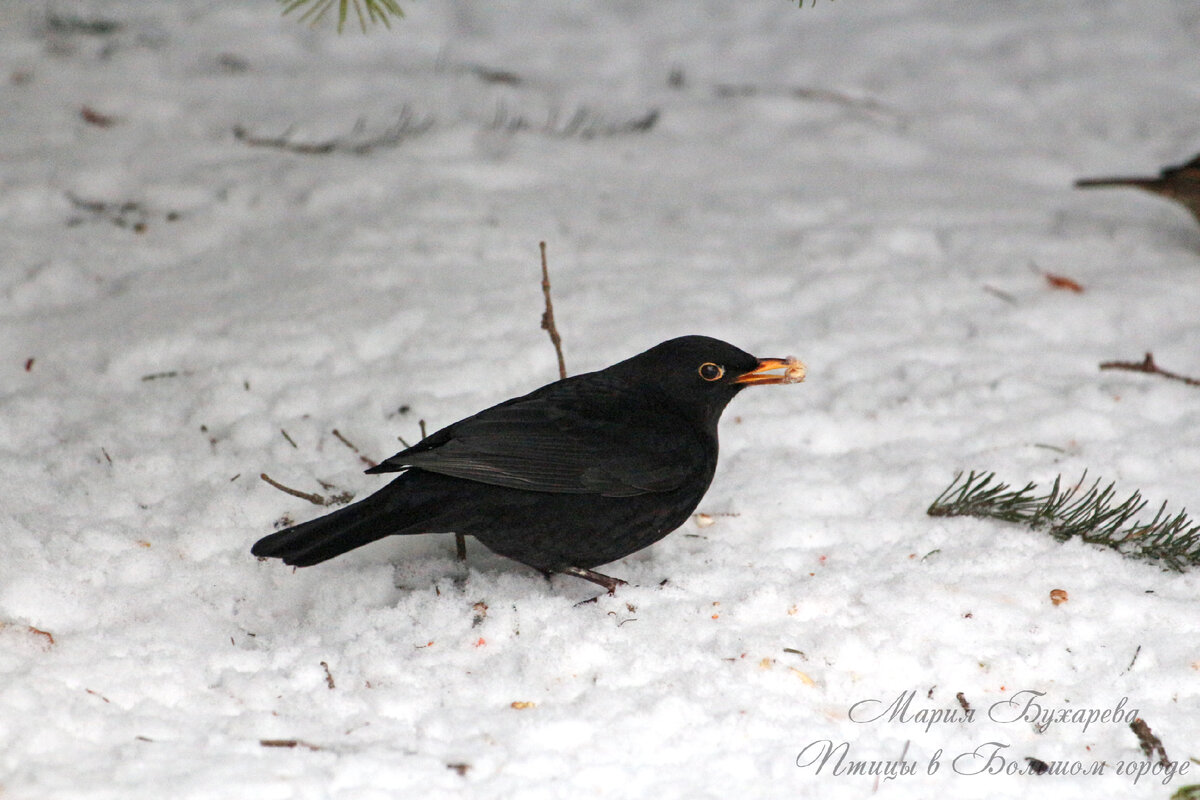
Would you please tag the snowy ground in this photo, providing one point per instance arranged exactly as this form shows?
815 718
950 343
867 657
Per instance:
876 187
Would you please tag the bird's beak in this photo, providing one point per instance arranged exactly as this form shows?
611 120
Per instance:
768 372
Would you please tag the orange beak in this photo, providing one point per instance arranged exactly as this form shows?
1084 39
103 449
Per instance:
773 370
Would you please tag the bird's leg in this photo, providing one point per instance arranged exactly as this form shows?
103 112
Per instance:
608 583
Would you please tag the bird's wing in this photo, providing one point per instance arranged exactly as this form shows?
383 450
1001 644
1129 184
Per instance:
549 446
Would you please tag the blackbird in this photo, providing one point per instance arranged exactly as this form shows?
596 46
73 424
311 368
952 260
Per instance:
578 473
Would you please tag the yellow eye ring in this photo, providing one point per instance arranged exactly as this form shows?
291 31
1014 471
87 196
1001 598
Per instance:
711 372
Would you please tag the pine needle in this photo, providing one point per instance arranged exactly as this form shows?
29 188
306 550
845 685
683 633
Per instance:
374 11
1091 515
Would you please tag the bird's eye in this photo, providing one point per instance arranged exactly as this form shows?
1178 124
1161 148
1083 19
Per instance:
711 372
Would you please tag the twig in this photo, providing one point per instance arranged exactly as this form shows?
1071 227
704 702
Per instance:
315 499
36 632
548 315
328 676
1147 365
288 743
1003 295
290 441
460 539
357 452
1133 660
1150 743
962 701
490 75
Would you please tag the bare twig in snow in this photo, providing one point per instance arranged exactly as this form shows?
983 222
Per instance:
548 315
315 499
288 743
1147 365
357 452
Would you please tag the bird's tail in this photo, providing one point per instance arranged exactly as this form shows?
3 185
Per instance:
331 535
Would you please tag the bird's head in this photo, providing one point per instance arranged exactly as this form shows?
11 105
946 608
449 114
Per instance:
699 375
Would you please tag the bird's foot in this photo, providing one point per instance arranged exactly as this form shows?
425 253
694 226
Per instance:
608 583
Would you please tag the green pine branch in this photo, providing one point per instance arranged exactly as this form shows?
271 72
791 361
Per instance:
1091 515
374 11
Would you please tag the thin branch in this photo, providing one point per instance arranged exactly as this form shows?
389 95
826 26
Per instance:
315 499
154 376
288 743
36 632
1133 660
356 451
1005 296
1148 365
548 315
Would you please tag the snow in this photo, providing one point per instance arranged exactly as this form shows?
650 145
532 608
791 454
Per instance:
877 188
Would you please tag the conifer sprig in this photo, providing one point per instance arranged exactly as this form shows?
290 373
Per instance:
366 10
1069 512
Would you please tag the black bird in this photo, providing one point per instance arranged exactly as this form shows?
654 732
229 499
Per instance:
578 473
1180 183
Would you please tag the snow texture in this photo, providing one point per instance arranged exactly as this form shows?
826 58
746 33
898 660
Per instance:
879 188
